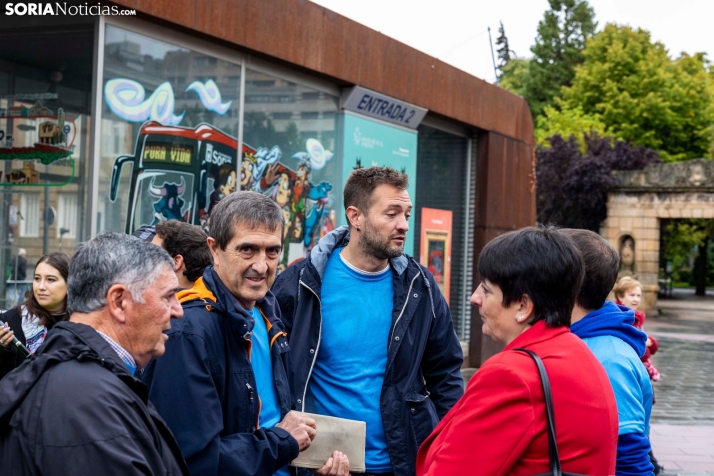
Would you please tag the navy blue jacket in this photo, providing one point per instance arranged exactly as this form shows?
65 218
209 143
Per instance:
422 379
204 386
75 409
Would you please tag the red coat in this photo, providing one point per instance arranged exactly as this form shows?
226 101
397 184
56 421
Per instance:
499 426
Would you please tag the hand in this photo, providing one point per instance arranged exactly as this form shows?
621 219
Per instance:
649 342
300 426
6 336
337 465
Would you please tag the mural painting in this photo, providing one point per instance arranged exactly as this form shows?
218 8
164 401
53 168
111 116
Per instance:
181 173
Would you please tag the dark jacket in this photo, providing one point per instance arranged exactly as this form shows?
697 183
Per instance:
204 385
10 358
422 380
76 409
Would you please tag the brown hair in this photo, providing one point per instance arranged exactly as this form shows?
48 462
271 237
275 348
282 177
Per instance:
361 184
60 262
624 284
189 241
601 263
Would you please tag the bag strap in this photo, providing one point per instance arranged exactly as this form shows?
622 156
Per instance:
552 444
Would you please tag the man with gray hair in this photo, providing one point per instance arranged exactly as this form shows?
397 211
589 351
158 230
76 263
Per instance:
77 408
224 385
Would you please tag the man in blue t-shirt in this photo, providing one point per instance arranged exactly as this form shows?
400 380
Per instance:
607 330
224 384
370 333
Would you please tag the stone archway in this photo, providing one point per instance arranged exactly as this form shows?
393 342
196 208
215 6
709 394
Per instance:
642 198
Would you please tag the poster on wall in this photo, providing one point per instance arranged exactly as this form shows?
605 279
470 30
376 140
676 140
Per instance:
436 228
367 143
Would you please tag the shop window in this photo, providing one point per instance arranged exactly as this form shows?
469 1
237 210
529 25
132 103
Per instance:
46 69
290 156
177 153
30 215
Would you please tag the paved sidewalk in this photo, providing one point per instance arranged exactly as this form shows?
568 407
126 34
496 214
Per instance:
682 430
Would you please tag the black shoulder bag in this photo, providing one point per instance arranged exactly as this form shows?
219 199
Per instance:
555 468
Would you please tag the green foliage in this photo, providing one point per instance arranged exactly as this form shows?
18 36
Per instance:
558 49
682 236
514 76
568 123
642 95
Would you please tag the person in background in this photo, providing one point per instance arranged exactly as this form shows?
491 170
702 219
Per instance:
77 408
371 334
628 292
607 330
529 281
225 384
46 306
16 289
188 247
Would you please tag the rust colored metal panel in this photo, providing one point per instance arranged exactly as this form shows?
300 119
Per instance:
505 201
311 37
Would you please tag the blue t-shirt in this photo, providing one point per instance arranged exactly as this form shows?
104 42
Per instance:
263 370
352 358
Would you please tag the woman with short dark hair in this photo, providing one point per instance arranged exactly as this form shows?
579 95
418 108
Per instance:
529 281
45 306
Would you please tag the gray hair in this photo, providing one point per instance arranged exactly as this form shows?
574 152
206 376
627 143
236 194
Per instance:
110 259
246 208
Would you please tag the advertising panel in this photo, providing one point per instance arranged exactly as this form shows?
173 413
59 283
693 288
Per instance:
367 143
436 230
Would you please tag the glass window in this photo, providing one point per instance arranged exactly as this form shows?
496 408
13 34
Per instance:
289 145
441 181
46 67
169 132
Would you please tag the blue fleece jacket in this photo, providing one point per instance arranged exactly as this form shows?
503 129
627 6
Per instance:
609 334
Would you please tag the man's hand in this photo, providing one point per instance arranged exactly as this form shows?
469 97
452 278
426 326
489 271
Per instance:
337 465
301 427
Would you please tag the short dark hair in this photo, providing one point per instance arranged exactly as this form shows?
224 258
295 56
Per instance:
189 241
60 262
540 262
601 263
362 182
244 207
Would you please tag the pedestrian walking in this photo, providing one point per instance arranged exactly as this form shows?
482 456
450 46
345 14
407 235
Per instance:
370 332
77 408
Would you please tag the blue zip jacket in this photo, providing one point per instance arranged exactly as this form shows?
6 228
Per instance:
609 334
422 379
204 386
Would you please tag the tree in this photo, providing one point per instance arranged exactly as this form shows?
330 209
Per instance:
642 95
514 76
504 52
558 49
572 186
568 123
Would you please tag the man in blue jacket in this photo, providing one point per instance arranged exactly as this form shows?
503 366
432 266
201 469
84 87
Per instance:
224 385
370 333
607 330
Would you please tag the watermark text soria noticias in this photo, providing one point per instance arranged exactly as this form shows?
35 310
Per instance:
62 8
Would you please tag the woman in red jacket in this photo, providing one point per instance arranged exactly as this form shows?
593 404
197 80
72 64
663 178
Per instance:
530 279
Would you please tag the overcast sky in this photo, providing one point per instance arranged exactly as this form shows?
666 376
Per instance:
455 31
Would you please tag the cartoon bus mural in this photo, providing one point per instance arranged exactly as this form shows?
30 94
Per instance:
177 173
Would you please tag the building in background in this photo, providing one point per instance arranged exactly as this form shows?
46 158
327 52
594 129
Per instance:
111 123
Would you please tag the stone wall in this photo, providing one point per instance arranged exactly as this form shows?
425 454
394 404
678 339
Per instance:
642 198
